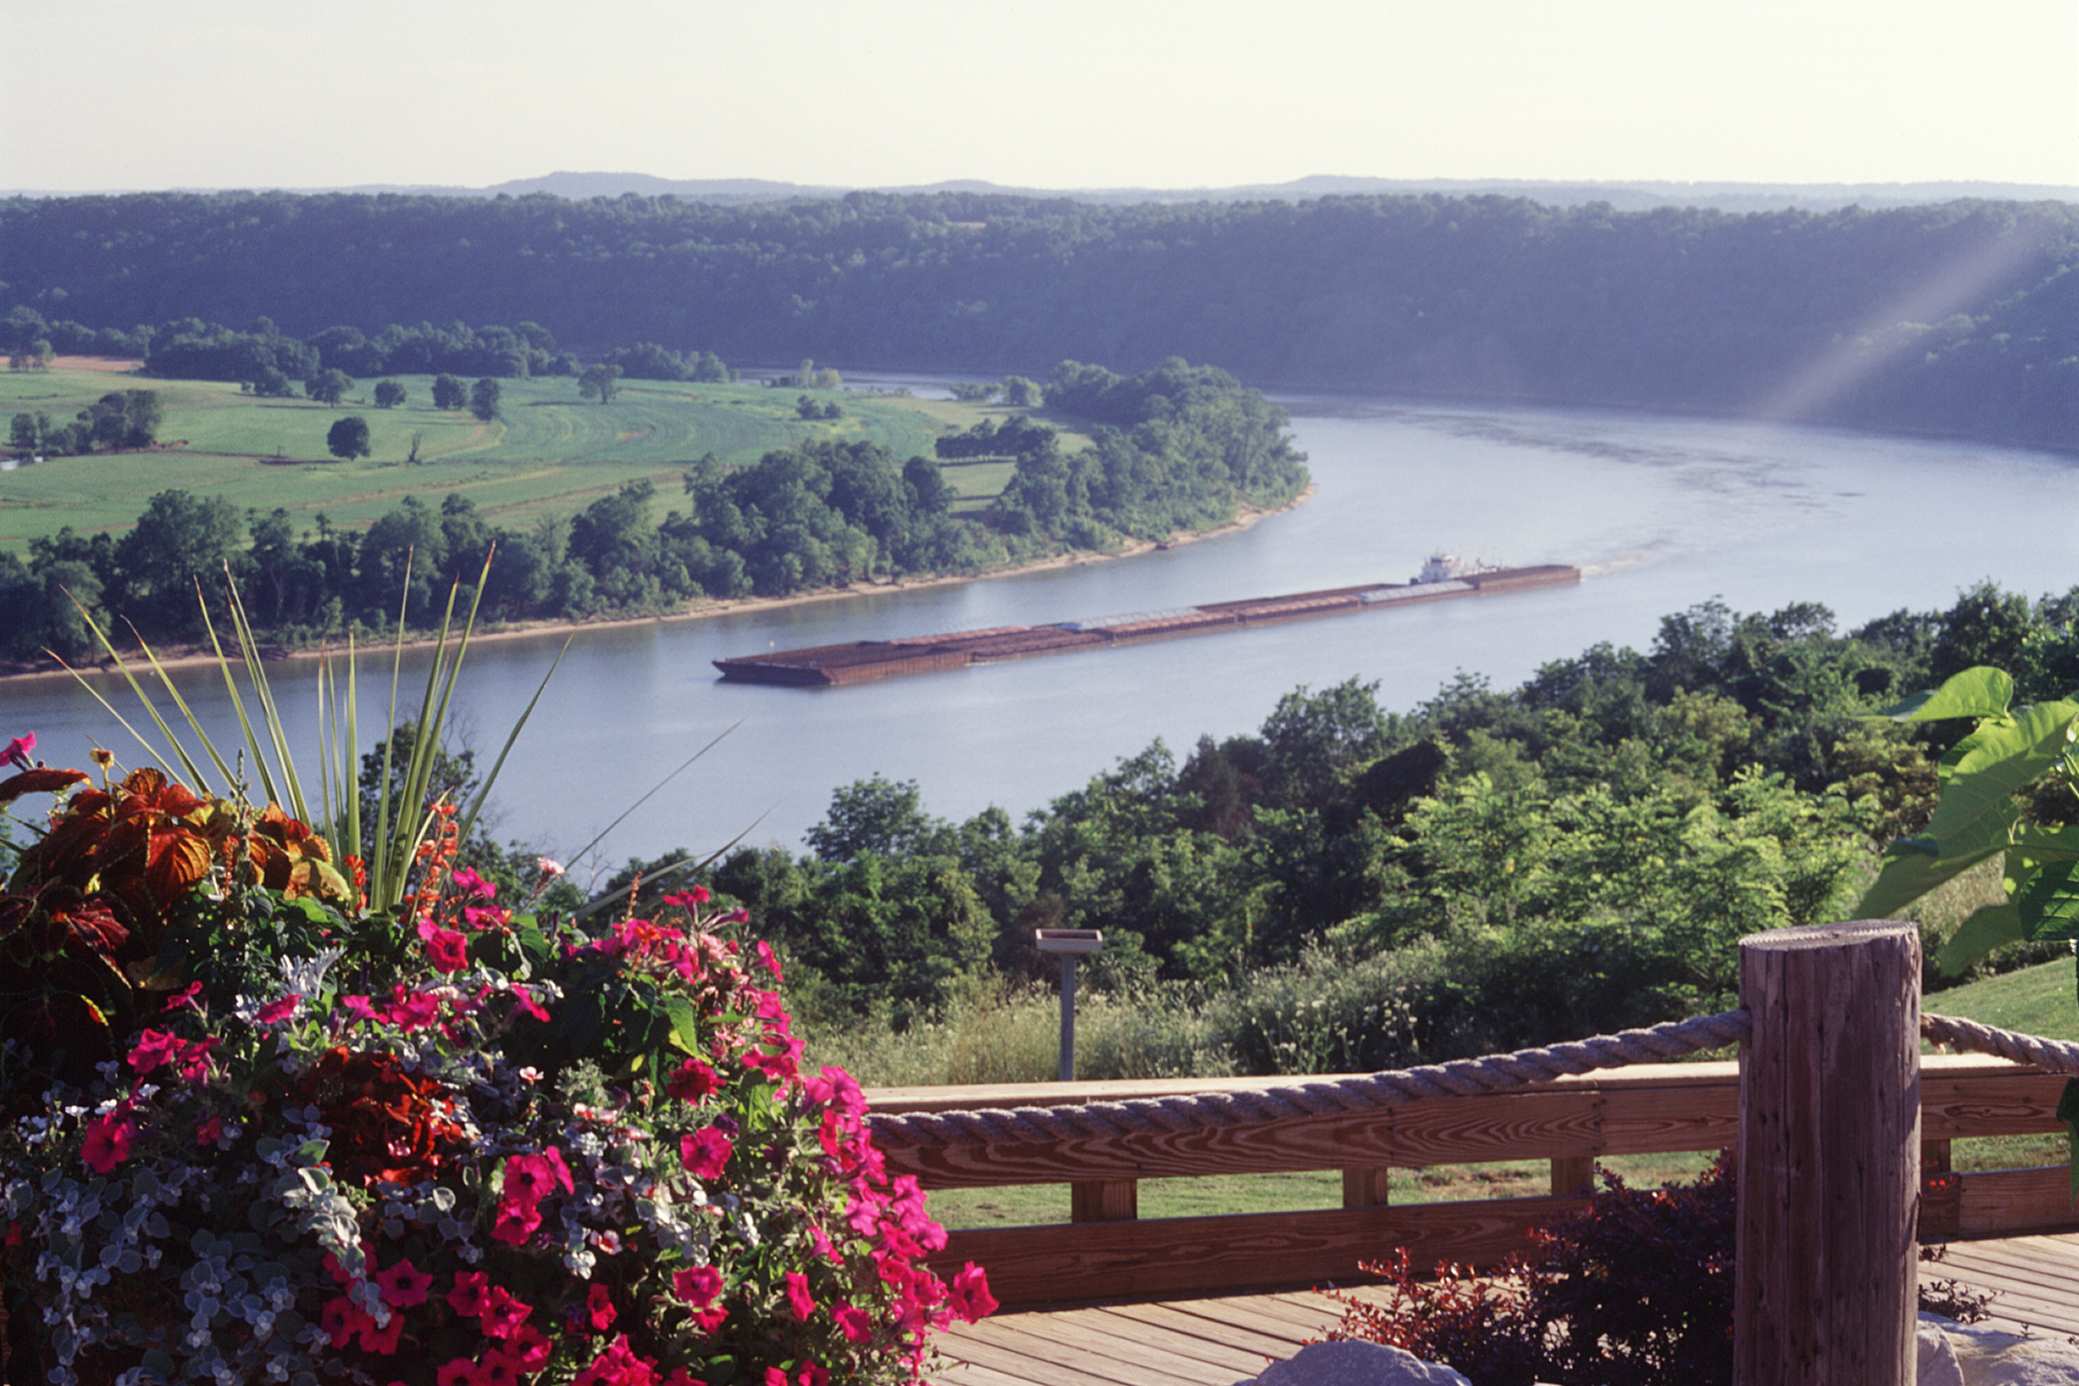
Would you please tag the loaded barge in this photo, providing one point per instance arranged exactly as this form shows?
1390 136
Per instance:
863 661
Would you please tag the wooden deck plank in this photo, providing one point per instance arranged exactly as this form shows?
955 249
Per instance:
1218 1341
1097 1357
1230 1330
1105 1332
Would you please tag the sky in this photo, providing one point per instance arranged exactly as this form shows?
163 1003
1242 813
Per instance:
144 94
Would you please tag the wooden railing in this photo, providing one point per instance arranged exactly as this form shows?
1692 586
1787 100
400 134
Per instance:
1106 1251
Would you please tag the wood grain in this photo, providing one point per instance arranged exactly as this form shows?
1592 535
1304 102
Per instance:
1183 1256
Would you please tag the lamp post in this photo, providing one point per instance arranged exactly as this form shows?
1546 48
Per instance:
1069 943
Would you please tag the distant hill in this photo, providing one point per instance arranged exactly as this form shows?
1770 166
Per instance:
1621 196
1953 317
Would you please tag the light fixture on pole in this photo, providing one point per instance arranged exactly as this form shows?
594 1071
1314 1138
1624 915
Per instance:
1069 943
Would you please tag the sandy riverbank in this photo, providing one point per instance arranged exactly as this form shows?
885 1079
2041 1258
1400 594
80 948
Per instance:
520 630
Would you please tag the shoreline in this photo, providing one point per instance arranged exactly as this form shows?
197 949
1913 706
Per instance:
186 658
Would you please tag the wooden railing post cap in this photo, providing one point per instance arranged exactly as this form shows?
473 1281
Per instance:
1828 935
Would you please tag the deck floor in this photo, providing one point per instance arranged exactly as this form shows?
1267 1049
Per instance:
1218 1342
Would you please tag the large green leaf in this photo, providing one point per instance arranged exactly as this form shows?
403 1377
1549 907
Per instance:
2049 901
1912 868
1986 929
1981 775
1979 692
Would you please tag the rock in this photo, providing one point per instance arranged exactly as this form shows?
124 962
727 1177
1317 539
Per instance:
1937 1358
1356 1364
1988 1357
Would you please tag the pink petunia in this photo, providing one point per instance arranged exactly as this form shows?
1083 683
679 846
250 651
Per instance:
447 948
209 1130
691 1081
798 1296
469 883
274 1012
359 1008
710 1319
516 1222
524 1001
17 752
705 1152
599 1309
770 960
153 1049
107 1142
404 1285
618 1365
689 900
697 1285
459 1371
854 1321
502 1314
969 1296
470 1293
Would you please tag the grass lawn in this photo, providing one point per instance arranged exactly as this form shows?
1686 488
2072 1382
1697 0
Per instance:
549 452
2038 1000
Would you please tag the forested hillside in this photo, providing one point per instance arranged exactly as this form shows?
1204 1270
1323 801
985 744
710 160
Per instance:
1177 448
1962 317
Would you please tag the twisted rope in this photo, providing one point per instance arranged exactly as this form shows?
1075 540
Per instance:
1223 1110
2059 1056
1494 1073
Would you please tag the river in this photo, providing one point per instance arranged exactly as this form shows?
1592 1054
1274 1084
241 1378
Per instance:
1660 512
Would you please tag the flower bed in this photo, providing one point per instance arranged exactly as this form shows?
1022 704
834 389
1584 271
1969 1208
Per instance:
256 1131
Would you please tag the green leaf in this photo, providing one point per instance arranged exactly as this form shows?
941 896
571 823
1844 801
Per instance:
1987 928
685 1023
1980 776
1979 692
1912 868
2049 902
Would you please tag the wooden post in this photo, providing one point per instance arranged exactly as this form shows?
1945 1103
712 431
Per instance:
1829 1158
1104 1200
1365 1186
1573 1175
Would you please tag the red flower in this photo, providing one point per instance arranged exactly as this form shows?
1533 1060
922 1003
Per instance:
854 1321
404 1285
448 949
970 1298
502 1314
599 1309
458 1372
471 1291
798 1296
17 752
697 1285
275 1012
108 1141
153 1049
706 1152
618 1366
691 1081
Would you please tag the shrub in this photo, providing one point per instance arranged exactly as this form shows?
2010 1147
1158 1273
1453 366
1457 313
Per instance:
1636 1290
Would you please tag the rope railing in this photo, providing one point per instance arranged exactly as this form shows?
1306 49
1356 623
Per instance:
1494 1073
1323 1097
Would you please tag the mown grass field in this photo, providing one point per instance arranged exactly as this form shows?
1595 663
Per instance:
2037 1000
550 452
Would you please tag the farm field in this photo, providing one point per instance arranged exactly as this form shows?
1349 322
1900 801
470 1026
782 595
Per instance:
549 453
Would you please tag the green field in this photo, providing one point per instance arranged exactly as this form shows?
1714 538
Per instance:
548 453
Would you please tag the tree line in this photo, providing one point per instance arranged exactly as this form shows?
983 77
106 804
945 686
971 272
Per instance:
1359 887
268 361
823 514
1853 316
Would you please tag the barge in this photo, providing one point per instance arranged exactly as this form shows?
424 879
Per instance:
863 661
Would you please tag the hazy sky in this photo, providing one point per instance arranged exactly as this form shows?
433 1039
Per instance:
108 94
